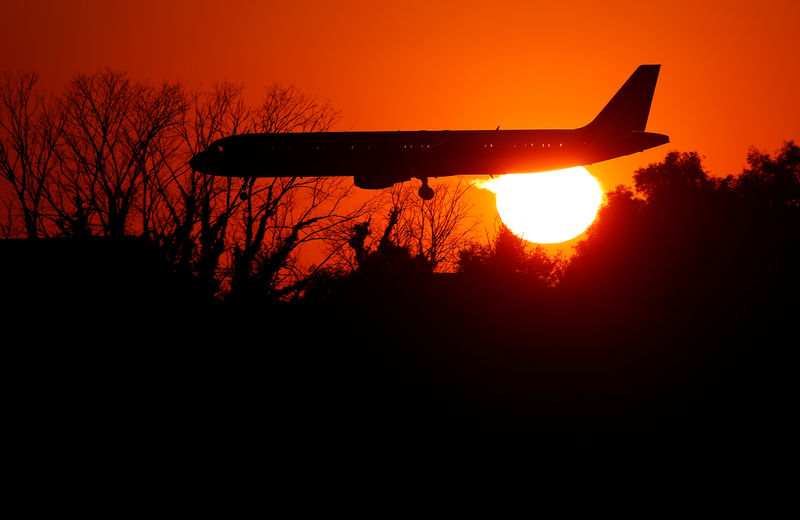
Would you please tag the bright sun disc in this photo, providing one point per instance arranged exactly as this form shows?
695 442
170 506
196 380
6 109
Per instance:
548 207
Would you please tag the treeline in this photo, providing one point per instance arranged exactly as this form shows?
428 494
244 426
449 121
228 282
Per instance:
673 325
108 157
676 226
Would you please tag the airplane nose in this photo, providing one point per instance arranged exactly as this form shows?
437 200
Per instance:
198 162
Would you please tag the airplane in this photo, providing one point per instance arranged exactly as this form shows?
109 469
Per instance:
378 160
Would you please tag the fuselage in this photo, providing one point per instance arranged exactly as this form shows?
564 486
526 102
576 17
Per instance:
380 159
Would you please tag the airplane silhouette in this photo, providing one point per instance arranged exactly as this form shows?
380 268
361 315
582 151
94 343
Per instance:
378 160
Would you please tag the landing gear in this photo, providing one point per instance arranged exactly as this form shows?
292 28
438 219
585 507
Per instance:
425 192
246 185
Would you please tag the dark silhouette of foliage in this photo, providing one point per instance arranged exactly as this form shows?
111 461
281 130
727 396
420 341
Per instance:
510 256
672 325
435 229
108 157
774 181
678 175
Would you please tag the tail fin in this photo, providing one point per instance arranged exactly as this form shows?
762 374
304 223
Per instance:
628 109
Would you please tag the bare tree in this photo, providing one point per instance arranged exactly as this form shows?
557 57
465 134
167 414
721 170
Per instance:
7 224
282 216
431 230
289 216
30 128
438 228
155 140
250 246
287 109
348 246
111 125
115 163
190 221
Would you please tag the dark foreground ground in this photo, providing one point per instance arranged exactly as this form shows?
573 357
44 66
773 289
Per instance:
110 365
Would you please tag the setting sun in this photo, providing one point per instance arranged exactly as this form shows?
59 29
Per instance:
548 207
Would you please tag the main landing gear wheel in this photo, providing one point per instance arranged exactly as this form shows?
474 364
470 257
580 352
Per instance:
426 192
246 185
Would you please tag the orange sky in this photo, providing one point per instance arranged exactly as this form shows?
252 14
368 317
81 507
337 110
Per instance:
729 76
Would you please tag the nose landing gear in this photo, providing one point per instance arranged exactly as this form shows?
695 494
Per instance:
246 185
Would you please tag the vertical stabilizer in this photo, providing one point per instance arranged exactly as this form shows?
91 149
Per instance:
629 108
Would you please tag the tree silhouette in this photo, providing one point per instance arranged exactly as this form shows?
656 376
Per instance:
107 157
684 258
775 181
510 256
365 245
678 175
674 320
432 230
30 128
281 215
436 229
195 208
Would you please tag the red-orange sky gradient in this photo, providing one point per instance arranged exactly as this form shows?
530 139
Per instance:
729 76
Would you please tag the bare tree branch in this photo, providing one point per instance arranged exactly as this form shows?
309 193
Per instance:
30 129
